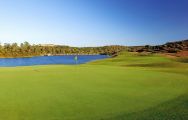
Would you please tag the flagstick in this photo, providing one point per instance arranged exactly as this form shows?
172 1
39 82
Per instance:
76 61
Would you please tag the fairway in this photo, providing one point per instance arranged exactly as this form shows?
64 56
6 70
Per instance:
128 87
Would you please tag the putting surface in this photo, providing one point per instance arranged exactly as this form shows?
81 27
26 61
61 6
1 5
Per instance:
119 89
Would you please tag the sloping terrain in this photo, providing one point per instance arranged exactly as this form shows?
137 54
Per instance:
127 87
174 109
170 47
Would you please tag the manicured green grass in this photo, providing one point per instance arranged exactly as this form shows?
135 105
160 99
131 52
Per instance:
127 87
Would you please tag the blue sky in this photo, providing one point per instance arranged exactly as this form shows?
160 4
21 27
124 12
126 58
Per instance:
93 22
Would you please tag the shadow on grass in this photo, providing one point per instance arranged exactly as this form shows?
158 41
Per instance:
152 65
176 109
183 60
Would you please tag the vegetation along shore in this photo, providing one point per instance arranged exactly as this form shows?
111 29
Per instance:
27 50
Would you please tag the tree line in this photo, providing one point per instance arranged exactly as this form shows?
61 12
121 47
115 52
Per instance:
26 49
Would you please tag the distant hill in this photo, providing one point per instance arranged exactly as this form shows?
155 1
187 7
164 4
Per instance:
169 47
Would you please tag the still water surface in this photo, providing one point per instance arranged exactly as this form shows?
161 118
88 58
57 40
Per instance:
46 60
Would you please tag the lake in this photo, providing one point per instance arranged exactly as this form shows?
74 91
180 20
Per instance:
47 60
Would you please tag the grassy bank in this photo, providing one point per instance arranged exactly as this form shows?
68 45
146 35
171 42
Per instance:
126 87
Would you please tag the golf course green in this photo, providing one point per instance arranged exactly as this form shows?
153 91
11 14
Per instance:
127 87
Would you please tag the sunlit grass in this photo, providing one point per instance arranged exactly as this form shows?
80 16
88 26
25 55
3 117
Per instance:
129 86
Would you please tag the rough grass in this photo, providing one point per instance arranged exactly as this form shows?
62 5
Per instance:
111 89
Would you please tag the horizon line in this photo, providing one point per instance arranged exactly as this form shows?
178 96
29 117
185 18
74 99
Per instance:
2 43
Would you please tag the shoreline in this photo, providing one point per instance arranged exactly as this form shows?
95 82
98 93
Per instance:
48 55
